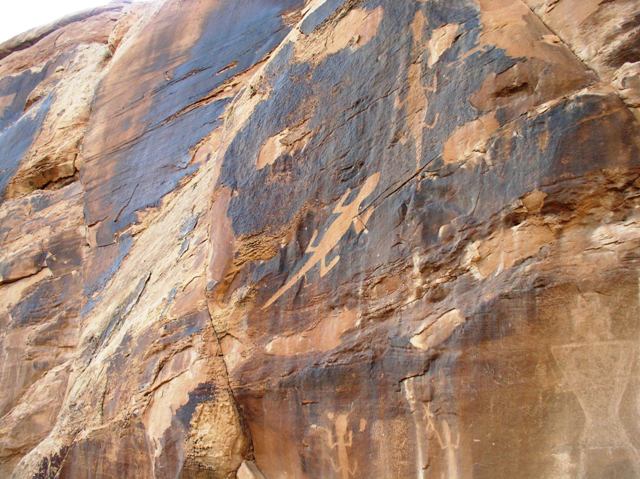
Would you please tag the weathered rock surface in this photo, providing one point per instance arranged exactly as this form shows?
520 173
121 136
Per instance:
322 239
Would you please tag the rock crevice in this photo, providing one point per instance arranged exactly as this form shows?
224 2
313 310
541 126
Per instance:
325 238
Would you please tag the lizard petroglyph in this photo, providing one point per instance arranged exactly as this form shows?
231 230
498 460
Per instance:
341 446
347 214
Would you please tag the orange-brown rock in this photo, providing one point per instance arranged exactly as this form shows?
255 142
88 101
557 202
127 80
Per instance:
322 239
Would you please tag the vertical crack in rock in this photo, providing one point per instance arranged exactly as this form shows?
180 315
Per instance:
324 238
245 431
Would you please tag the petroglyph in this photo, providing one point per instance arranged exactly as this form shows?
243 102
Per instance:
416 101
445 441
347 214
426 421
340 440
598 374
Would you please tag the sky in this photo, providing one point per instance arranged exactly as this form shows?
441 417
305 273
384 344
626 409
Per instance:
21 15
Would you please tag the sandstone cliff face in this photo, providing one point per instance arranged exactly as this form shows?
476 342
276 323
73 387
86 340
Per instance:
322 239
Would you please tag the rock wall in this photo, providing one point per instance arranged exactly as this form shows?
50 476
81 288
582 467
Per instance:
322 239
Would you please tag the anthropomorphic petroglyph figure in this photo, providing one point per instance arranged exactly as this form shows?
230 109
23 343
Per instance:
415 103
598 374
347 214
445 441
339 441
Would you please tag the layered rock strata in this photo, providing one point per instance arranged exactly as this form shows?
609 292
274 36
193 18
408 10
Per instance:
322 239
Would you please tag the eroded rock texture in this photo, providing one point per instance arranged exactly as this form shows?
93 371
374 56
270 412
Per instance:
322 239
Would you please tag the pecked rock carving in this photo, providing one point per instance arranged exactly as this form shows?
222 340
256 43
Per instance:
322 239
347 214
339 440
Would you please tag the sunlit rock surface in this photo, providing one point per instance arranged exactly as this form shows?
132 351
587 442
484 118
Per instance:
322 239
